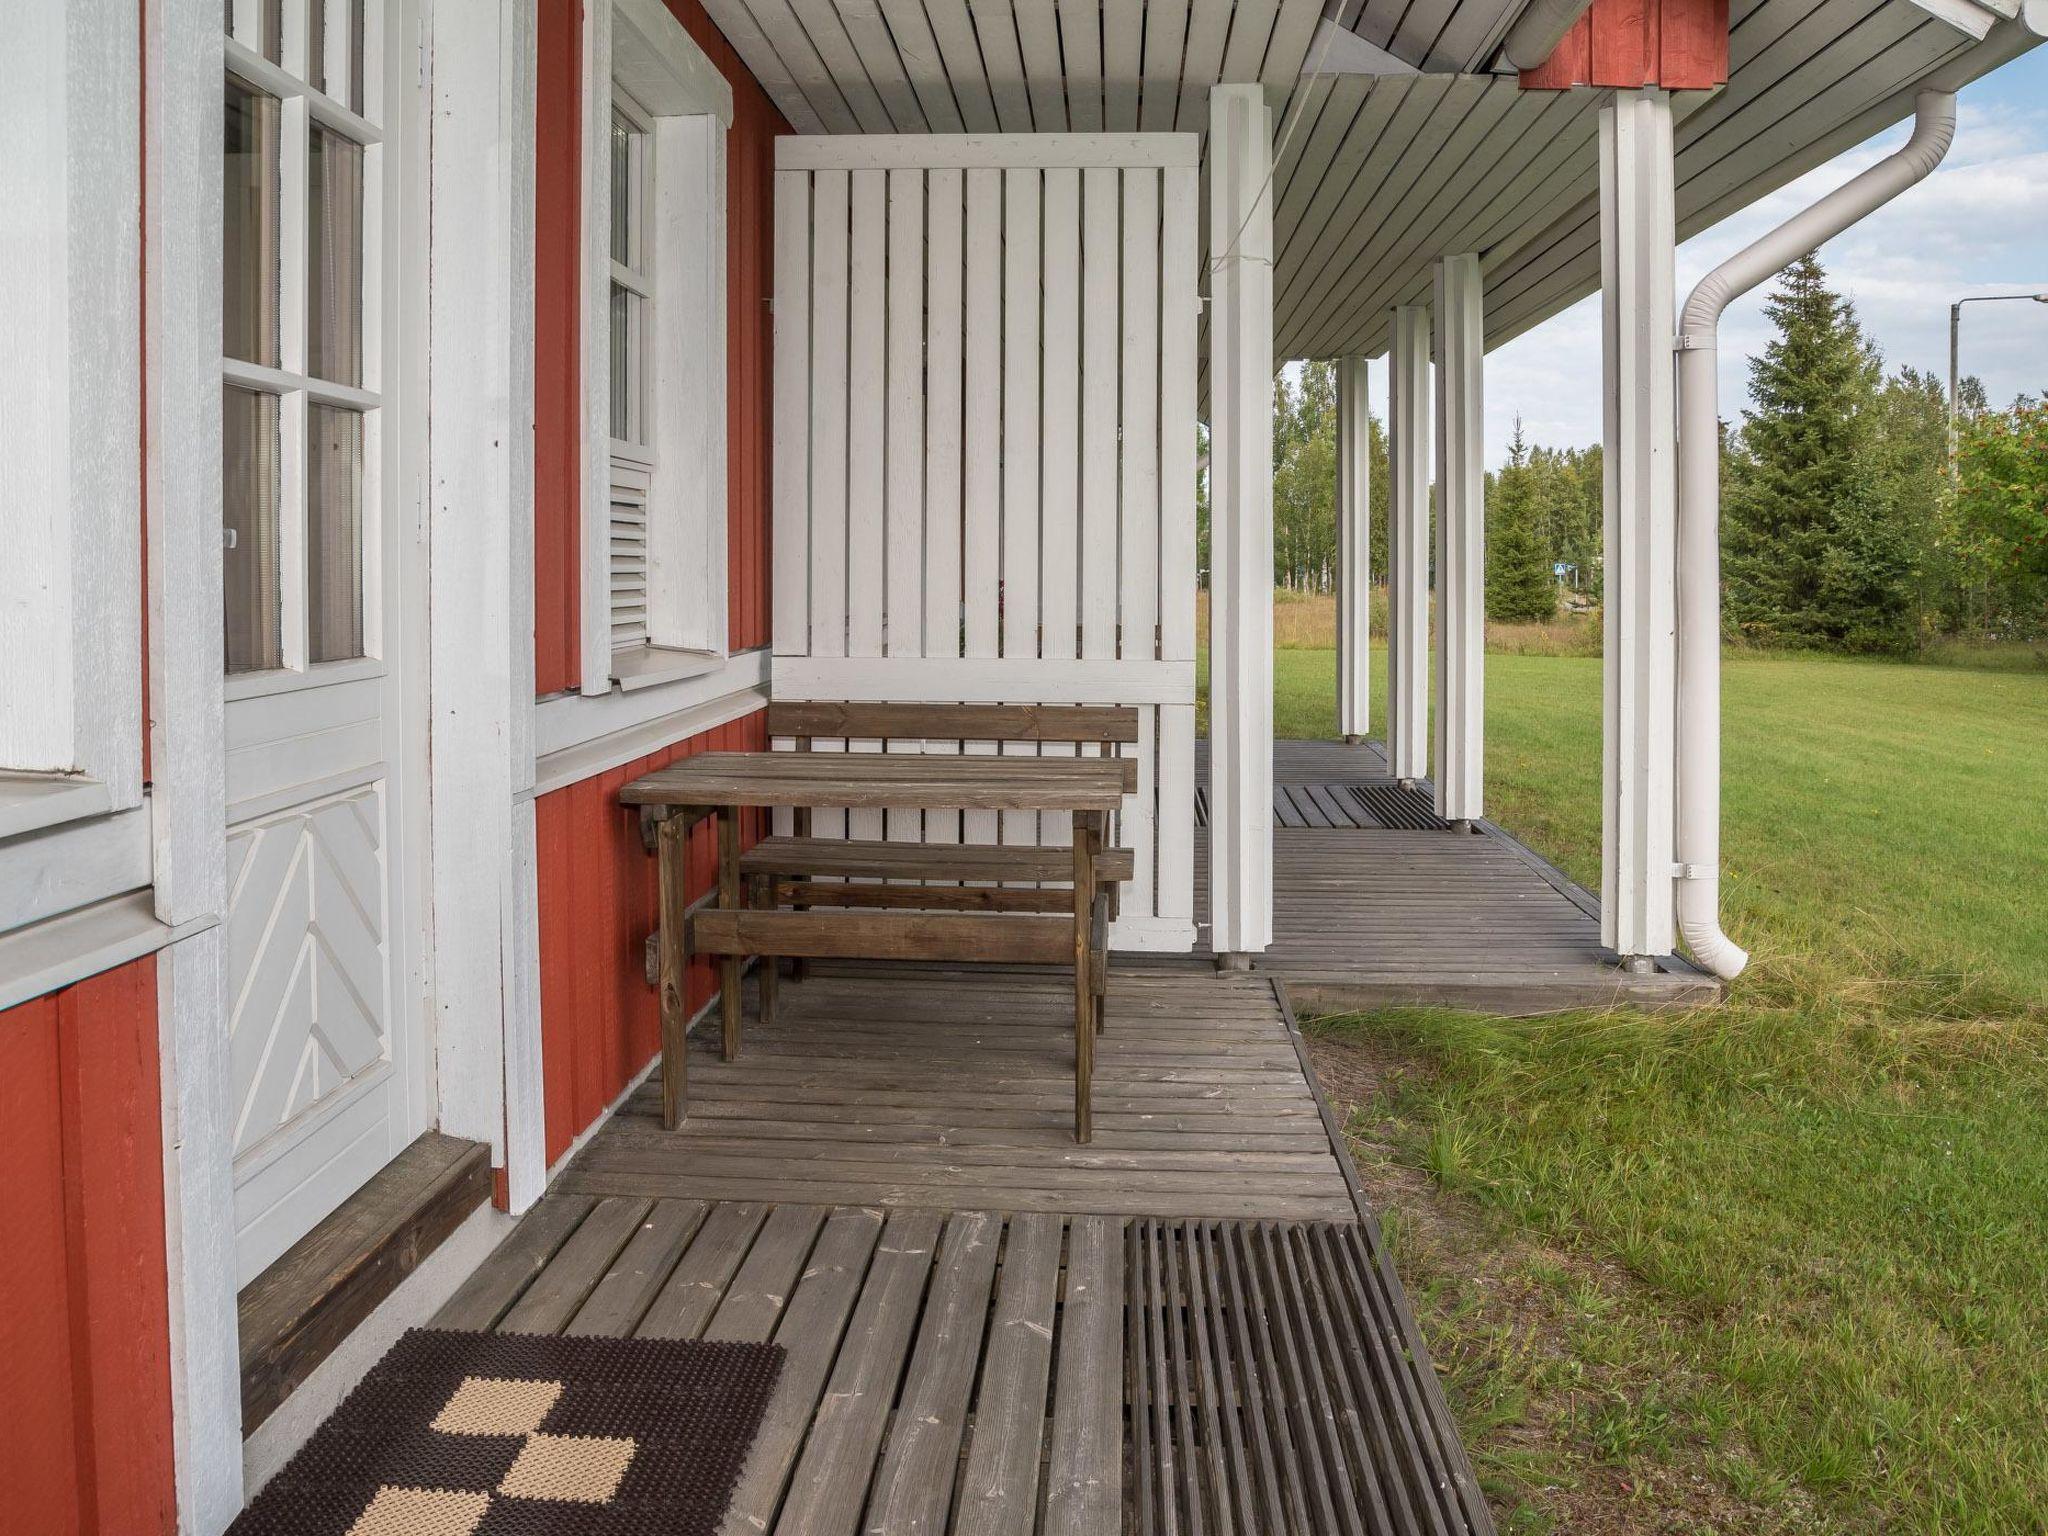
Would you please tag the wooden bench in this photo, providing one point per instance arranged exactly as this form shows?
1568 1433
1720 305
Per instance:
808 873
814 897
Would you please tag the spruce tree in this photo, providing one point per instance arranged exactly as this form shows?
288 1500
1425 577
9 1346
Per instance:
1805 556
1518 580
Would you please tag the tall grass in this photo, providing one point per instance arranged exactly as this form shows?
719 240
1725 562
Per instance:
1304 621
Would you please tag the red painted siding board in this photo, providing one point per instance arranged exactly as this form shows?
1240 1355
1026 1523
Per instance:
1623 44
558 1010
39 1475
113 1145
1695 45
84 1316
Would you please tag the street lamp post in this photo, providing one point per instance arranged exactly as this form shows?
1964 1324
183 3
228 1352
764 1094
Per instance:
1955 331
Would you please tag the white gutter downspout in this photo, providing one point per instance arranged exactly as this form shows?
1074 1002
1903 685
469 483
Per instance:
1698 850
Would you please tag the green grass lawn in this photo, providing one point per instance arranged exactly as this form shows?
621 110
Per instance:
1787 1259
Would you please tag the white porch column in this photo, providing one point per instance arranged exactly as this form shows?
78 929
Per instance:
1354 550
1460 542
1240 523
1639 494
1408 544
480 506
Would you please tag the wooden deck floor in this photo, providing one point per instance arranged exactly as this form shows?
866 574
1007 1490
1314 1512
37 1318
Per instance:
1372 916
1187 1326
954 1089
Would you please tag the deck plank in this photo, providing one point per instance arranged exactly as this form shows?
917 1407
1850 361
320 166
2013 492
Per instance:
809 1330
697 1285
559 1290
827 1490
497 1282
913 1489
622 1297
761 1286
1084 1476
999 1487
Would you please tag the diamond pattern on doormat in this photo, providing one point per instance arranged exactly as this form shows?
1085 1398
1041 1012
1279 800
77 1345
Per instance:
495 1434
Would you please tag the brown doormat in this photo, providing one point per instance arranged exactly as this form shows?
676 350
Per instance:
504 1434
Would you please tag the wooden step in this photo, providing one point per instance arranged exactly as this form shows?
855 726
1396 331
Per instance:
299 1310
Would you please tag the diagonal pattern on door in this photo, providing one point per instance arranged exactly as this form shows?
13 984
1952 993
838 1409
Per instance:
985 456
308 1011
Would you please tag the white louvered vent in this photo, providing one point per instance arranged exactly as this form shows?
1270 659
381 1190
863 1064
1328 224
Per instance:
628 557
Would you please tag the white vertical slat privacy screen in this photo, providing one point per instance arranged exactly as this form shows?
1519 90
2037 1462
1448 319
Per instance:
985 455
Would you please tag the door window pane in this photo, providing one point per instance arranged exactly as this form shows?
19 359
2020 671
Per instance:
334 533
249 530
249 211
622 356
622 193
334 258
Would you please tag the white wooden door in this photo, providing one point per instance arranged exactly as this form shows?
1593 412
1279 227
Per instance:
985 455
329 1061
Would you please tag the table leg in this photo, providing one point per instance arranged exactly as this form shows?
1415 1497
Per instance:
675 960
1099 932
1087 844
729 899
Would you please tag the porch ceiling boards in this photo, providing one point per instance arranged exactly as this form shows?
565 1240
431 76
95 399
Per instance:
1379 175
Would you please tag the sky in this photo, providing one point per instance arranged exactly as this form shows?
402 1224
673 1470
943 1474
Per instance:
1977 225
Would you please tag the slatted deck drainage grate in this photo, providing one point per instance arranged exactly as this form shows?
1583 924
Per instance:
1273 1387
1344 807
1399 807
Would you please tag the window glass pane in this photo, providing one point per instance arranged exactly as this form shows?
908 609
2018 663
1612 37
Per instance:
334 533
249 214
622 192
623 357
249 518
273 30
355 56
334 258
316 45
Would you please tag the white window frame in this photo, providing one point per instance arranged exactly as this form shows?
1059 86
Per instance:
71 718
637 49
302 107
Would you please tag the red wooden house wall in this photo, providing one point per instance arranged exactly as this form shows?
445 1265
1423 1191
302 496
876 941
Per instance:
600 1022
84 1316
1681 45
749 339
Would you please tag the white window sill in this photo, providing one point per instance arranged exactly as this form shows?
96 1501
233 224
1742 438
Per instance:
319 674
648 666
29 802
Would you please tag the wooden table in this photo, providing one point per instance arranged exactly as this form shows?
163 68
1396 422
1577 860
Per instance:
720 784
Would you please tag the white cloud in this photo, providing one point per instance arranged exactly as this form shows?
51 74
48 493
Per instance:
1978 225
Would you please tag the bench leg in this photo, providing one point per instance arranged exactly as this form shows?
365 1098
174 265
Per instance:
798 967
1101 947
729 898
674 967
1087 844
764 897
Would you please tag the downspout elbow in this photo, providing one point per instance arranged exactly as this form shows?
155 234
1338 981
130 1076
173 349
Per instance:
1699 928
